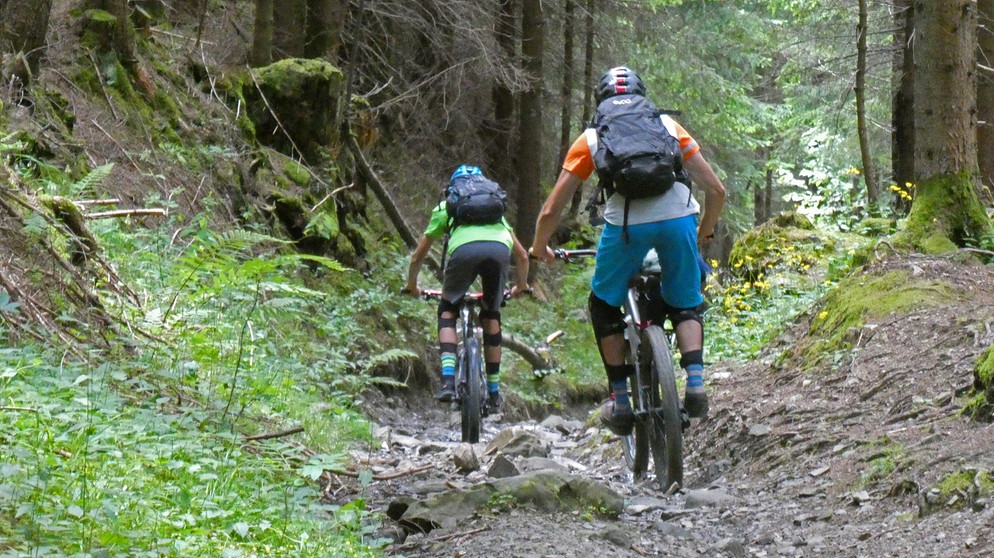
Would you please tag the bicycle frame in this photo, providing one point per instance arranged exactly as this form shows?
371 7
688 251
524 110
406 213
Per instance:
659 417
471 382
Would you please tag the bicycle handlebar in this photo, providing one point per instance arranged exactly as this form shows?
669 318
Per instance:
435 294
571 255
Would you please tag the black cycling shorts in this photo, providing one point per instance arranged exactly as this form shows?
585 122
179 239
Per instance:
487 260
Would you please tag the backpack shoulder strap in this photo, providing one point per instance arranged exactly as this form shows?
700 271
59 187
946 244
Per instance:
591 135
670 124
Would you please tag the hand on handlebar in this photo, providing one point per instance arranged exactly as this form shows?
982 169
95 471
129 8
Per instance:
411 290
544 254
516 292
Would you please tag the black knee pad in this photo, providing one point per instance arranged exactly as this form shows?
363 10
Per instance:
492 339
607 320
490 315
678 315
450 348
691 357
444 306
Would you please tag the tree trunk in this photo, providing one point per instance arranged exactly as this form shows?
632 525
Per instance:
499 145
985 99
148 13
262 34
902 106
588 88
946 212
118 36
566 100
289 22
531 124
869 178
588 62
23 26
325 22
761 192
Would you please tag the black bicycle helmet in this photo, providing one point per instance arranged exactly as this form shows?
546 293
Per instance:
621 80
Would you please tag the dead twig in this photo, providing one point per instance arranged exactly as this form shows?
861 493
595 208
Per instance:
111 201
103 86
26 409
124 213
443 538
268 436
354 475
118 144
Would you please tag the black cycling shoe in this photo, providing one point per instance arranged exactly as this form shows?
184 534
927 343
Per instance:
696 403
448 391
495 402
618 419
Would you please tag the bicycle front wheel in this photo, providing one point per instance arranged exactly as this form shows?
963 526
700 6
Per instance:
470 402
635 446
664 422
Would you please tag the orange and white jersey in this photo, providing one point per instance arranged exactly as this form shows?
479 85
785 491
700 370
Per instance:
676 203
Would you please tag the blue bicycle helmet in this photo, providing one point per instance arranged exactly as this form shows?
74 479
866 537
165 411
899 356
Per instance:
465 170
620 80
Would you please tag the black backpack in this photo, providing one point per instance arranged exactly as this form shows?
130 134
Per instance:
475 200
636 155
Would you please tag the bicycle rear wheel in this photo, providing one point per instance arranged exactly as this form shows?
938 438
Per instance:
664 424
472 396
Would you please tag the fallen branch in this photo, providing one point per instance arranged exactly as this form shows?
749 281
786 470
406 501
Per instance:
27 409
112 201
354 475
124 213
367 172
443 538
294 430
531 356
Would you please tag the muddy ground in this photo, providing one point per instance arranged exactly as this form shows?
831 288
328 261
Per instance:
845 460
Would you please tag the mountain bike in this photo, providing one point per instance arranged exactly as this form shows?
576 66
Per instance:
660 418
472 396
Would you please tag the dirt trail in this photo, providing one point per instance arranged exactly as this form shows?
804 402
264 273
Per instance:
847 460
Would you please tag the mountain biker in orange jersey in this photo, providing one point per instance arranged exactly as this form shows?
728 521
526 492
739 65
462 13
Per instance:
472 251
672 223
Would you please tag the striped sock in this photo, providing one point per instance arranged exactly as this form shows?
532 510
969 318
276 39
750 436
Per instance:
493 377
620 391
448 366
695 378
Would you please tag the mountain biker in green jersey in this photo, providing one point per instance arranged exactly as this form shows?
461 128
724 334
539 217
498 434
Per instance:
472 251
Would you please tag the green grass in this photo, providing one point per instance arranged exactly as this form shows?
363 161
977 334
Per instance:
100 463
143 452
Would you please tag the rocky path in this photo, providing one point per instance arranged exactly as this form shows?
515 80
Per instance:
554 488
869 456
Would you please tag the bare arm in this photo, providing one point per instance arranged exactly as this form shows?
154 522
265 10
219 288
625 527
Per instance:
417 260
552 210
520 267
714 195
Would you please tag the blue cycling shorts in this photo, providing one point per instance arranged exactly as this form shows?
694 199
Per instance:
675 240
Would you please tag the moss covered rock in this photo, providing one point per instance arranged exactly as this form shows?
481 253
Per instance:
788 241
862 299
981 407
294 105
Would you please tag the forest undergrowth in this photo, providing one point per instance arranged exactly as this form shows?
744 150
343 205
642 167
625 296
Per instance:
214 428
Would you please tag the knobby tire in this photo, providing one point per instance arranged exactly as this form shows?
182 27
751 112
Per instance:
635 446
470 405
665 426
